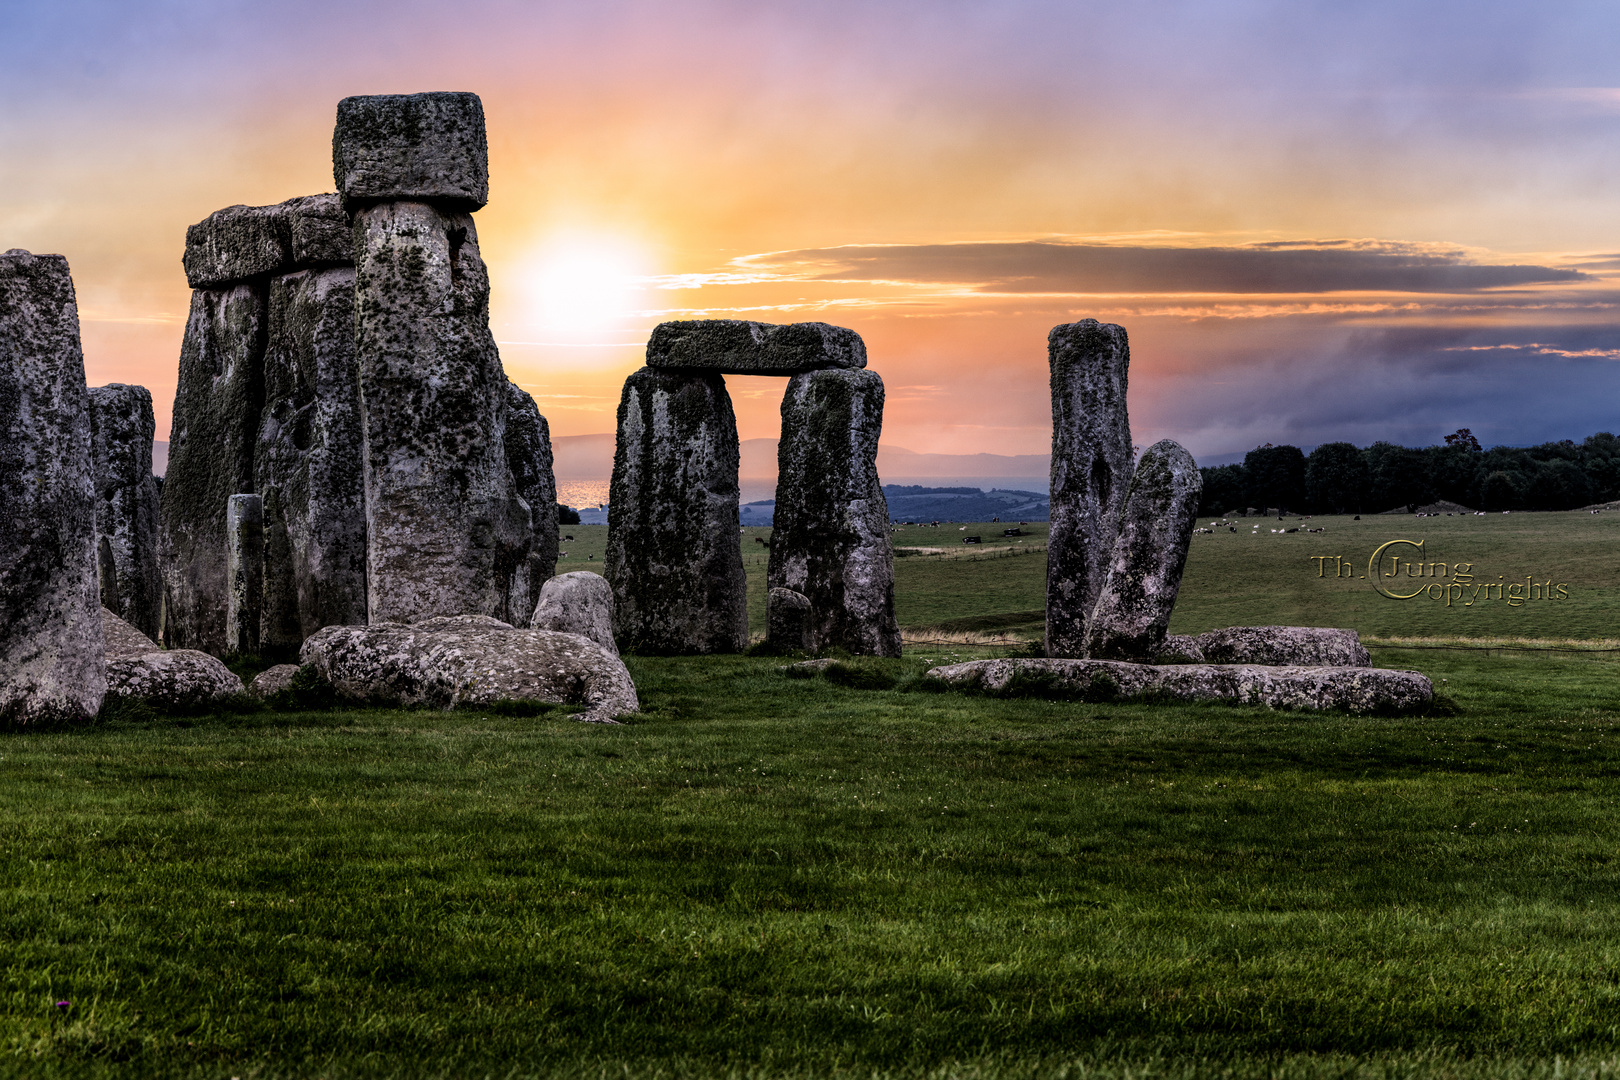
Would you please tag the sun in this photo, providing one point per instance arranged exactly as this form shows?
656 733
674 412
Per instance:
585 288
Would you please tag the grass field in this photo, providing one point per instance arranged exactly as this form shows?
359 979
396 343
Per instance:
851 876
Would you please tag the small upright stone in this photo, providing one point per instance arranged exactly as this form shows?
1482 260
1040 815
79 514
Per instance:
1133 614
577 603
528 456
674 556
737 347
787 621
121 430
244 572
830 541
52 661
1091 470
417 147
237 243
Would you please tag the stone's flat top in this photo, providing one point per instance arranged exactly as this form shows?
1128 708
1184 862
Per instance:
427 147
739 347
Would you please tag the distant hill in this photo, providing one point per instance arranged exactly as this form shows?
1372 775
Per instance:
914 502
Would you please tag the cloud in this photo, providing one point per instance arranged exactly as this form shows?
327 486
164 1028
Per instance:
1048 267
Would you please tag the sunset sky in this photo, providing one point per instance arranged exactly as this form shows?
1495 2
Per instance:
1318 221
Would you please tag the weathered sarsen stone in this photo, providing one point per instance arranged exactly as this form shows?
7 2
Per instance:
418 147
244 572
1132 615
52 664
216 418
163 679
446 532
528 456
1091 470
236 244
577 603
674 557
737 347
1295 646
787 621
830 540
121 431
310 457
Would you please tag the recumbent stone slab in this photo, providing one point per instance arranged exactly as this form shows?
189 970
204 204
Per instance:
121 431
737 347
1091 471
577 603
830 538
1296 646
172 679
419 147
1132 615
237 243
52 663
674 557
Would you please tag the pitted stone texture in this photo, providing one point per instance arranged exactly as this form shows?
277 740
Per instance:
273 680
216 417
1091 472
319 232
309 463
830 540
737 347
674 556
1179 649
244 572
1352 689
418 147
471 660
52 666
577 603
237 243
121 430
1161 507
1295 646
528 456
179 678
445 529
787 621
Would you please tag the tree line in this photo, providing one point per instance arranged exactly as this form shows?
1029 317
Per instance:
1341 478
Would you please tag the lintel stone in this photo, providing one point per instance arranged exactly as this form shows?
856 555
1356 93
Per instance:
739 347
412 147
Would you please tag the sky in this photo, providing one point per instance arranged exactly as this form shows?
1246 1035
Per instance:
1317 221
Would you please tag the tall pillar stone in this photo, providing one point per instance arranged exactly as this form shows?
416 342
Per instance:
830 537
1161 506
53 662
674 555
244 572
217 402
446 531
528 456
1091 471
121 431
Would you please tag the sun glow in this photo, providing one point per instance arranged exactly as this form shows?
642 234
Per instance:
587 289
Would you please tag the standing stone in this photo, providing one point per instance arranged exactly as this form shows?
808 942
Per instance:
1133 614
309 461
121 431
52 660
216 418
830 540
528 456
1091 469
787 621
674 554
244 572
446 531
577 603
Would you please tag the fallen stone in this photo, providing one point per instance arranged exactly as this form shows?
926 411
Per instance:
1179 649
787 621
1091 472
309 461
244 572
446 532
577 603
52 664
1294 646
1155 527
528 455
674 558
1352 689
319 232
830 538
216 416
737 347
273 680
121 431
419 147
238 243
811 666
471 660
176 679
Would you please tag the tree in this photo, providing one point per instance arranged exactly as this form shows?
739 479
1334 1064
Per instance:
1463 439
567 515
1395 476
1336 479
1223 490
1276 476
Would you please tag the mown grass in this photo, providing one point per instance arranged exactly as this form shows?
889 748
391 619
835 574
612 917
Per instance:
767 875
